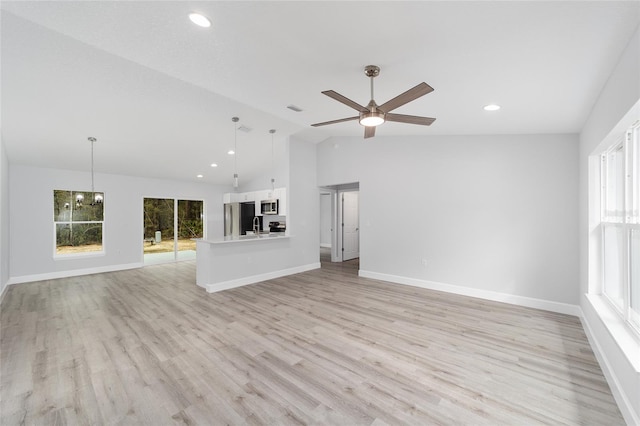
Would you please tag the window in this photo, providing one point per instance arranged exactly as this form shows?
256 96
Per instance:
620 217
78 220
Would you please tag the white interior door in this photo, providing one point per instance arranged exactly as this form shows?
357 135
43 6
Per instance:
350 226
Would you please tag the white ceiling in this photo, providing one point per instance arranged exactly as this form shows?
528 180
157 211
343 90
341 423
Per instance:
159 92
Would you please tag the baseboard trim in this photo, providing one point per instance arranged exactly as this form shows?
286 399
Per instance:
3 291
325 245
72 273
226 285
529 302
622 399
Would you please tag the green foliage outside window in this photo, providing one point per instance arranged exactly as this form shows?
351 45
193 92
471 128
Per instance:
78 218
190 214
159 216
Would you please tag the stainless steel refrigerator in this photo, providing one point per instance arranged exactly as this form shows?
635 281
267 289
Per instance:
238 218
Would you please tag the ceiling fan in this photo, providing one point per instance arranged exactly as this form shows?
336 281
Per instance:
373 115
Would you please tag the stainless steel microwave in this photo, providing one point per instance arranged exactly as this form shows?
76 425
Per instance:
269 207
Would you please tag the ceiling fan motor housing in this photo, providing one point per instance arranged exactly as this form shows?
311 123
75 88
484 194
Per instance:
372 70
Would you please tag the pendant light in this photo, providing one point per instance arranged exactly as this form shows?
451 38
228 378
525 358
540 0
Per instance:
235 150
273 170
95 198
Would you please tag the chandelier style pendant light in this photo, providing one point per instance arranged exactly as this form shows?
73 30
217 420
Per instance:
273 170
235 150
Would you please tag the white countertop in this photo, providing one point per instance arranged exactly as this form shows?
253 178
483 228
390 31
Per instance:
246 238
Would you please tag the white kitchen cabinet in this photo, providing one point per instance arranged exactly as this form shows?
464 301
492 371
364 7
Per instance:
262 195
257 196
238 197
247 196
231 197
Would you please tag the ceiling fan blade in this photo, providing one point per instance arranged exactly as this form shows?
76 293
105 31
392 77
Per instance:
369 131
411 119
335 121
406 97
348 102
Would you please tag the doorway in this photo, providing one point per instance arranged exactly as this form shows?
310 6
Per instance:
340 222
169 228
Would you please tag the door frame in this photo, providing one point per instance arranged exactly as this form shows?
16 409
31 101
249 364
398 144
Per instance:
336 215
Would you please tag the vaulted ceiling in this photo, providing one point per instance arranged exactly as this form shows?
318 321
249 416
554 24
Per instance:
159 92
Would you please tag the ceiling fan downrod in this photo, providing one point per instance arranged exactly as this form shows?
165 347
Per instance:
372 71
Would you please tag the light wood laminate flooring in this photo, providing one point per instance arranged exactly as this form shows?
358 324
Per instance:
148 346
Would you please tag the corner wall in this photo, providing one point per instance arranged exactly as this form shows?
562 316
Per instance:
31 239
4 218
485 216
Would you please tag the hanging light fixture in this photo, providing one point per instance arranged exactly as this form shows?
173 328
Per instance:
95 198
79 200
235 151
273 170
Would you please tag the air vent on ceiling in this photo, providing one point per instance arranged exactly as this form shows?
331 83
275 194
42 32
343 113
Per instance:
245 129
294 108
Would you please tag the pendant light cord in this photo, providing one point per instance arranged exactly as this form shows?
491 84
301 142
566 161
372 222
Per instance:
92 180
93 192
273 170
235 152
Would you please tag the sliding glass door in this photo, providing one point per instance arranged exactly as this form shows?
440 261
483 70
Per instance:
169 227
190 226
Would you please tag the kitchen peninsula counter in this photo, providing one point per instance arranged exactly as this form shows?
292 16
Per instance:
230 262
245 238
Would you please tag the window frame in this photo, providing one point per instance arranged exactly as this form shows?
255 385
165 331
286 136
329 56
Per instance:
629 222
71 222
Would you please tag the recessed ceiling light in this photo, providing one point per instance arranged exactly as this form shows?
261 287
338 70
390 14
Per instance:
231 152
199 176
200 20
214 165
491 107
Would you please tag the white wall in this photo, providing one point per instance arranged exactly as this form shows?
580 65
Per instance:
4 218
325 220
31 214
491 215
609 114
280 172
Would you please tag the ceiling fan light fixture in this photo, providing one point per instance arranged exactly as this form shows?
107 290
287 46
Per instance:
372 118
200 20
